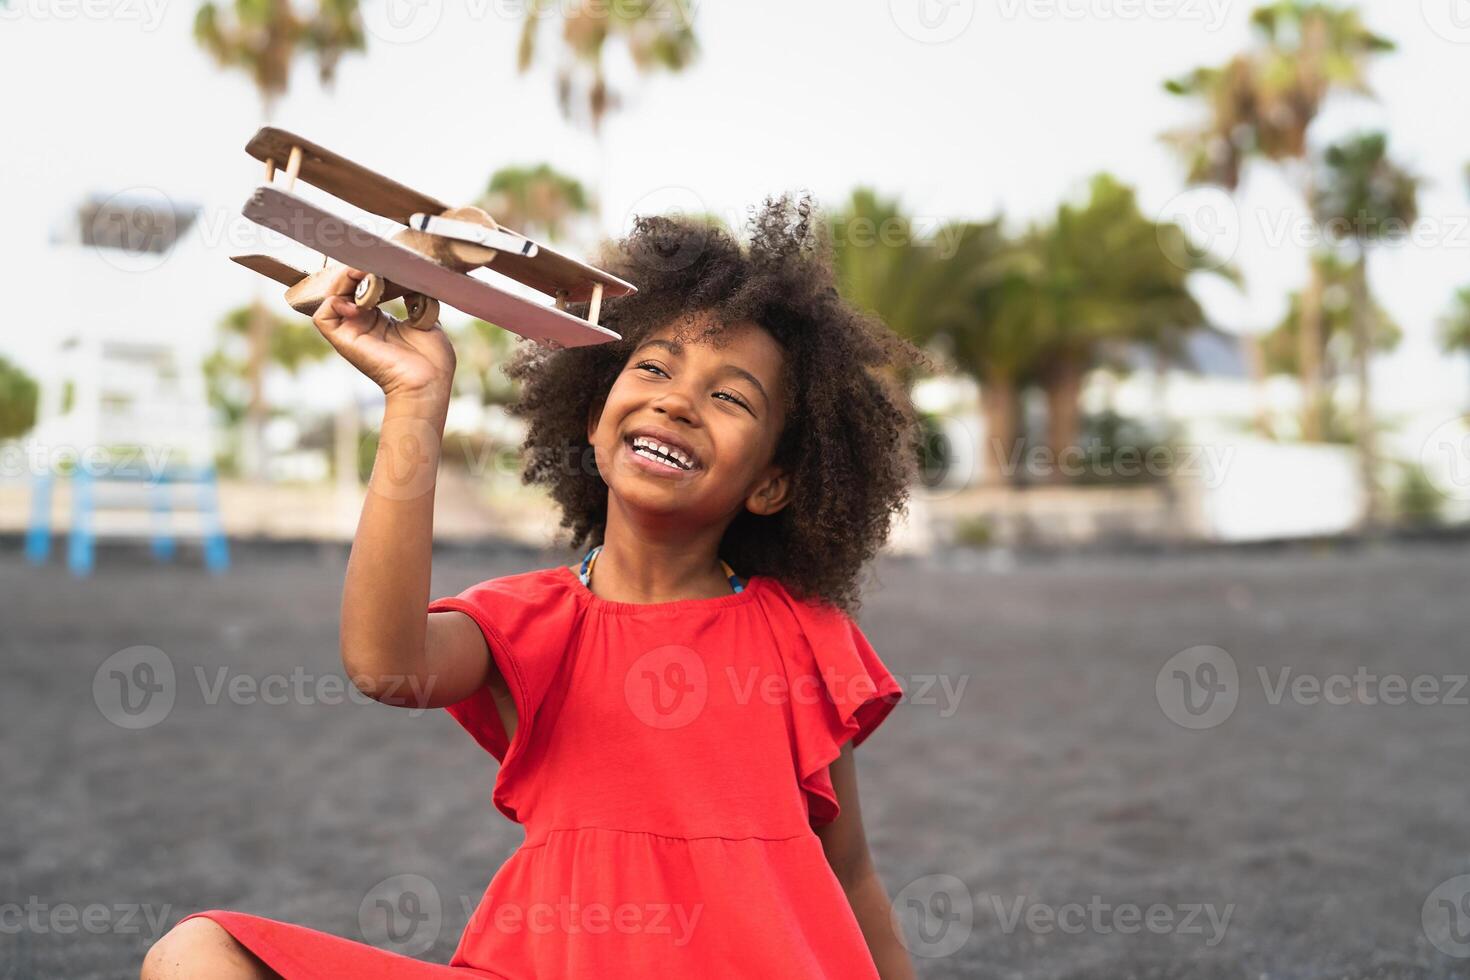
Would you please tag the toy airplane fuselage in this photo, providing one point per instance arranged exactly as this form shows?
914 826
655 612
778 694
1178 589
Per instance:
426 262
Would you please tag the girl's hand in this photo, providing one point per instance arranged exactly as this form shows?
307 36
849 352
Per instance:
403 361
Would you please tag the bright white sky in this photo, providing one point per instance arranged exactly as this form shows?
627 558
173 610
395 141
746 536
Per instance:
1000 104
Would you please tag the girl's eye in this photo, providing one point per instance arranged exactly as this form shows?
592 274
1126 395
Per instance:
734 398
728 394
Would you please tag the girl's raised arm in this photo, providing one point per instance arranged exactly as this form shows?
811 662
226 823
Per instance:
392 649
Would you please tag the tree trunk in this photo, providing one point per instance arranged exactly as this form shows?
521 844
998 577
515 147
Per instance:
1000 401
1063 416
1309 356
1363 317
1255 361
1309 335
253 445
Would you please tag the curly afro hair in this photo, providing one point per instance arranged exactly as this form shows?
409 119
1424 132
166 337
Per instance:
850 442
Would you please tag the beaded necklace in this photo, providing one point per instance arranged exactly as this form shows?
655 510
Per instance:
590 559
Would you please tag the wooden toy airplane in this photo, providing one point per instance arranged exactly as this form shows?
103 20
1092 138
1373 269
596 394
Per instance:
427 261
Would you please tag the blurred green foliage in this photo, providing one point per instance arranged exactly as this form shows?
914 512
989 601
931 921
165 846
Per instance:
19 396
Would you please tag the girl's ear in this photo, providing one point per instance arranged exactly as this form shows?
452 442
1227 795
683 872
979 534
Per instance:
771 494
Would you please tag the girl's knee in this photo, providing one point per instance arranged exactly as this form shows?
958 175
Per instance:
198 947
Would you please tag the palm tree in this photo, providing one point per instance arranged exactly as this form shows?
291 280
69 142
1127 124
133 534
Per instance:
262 38
946 291
1364 190
1215 152
1338 343
1454 326
1262 104
658 34
885 267
293 345
482 348
1111 279
1311 49
538 201
983 309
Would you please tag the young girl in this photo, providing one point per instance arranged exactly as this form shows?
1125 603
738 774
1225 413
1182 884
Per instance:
674 715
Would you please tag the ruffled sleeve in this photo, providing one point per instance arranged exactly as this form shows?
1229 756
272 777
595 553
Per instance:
527 621
840 692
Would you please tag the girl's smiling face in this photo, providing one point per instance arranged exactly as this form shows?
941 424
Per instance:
690 428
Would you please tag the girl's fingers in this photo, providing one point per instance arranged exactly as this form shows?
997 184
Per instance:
344 281
337 312
332 312
381 322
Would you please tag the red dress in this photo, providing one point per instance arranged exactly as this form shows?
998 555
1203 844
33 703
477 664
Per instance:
669 764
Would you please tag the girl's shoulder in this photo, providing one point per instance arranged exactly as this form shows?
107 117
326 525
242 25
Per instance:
520 605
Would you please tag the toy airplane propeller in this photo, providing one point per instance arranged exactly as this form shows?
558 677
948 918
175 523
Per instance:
427 261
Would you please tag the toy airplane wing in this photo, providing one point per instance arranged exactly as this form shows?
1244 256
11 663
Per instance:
430 258
353 245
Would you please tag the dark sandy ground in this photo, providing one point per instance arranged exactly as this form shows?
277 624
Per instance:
1047 818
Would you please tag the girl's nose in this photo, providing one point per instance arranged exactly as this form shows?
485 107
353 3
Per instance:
677 405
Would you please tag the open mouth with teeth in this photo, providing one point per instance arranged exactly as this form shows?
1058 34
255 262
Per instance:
661 453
